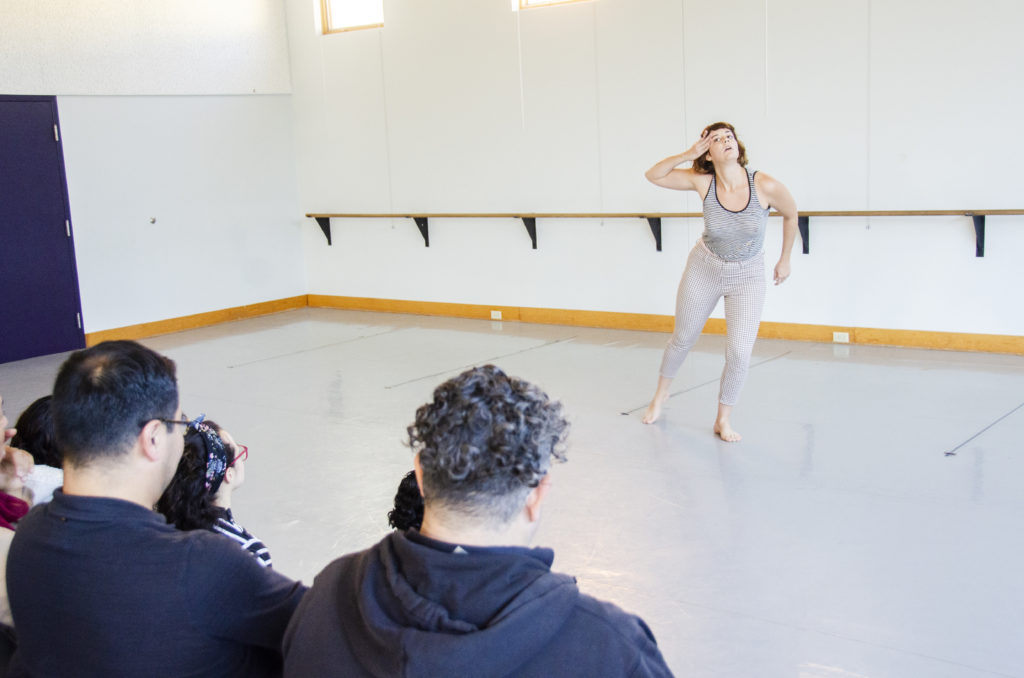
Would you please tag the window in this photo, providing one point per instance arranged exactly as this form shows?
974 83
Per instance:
351 15
527 4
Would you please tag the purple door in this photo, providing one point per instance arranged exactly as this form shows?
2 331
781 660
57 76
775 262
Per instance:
40 311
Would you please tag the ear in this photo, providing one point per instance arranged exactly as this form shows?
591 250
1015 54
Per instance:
536 498
418 469
229 476
147 439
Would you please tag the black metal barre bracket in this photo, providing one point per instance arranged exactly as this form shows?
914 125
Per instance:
655 224
979 234
325 226
531 228
804 224
423 224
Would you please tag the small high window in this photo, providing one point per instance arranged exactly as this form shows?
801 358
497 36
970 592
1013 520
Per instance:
527 4
351 15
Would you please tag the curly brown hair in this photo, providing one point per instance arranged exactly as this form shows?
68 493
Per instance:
703 164
484 441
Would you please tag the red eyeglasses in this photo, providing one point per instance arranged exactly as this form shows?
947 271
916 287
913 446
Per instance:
241 454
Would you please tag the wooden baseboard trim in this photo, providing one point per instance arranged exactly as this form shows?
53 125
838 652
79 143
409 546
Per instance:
412 307
646 322
948 341
191 322
951 341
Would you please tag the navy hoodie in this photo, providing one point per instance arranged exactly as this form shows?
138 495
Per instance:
411 606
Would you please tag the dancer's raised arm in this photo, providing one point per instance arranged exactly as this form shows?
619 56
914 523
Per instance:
666 174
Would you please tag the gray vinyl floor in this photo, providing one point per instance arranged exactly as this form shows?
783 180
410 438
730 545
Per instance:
840 539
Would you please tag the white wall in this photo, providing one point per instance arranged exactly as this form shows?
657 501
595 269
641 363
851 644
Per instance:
466 106
153 127
218 175
132 47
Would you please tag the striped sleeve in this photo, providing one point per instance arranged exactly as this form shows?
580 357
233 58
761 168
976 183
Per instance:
238 534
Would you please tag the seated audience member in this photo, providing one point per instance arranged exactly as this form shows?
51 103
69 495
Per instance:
408 510
465 595
35 436
100 584
15 467
199 496
15 464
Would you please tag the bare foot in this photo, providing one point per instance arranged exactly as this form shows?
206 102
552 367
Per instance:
660 396
726 433
653 411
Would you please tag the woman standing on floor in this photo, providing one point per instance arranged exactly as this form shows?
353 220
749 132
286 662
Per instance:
727 261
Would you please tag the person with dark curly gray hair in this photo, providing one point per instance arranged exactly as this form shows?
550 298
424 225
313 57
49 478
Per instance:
465 595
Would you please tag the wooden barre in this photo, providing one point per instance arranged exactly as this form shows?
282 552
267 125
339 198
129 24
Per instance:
529 220
663 215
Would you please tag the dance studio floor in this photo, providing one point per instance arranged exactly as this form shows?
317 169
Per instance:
840 539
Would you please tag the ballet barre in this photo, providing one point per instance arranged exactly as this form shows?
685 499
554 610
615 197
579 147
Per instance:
529 219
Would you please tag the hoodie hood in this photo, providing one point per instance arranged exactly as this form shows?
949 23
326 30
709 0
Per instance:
426 608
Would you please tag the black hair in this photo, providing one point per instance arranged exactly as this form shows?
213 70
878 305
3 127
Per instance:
187 503
105 394
36 435
485 440
408 510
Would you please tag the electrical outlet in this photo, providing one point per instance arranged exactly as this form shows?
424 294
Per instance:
495 315
840 337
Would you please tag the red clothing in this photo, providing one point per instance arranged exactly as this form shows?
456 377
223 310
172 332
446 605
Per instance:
12 510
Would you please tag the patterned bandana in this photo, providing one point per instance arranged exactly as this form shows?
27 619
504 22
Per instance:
213 450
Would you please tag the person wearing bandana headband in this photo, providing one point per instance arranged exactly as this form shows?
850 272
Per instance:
126 593
199 496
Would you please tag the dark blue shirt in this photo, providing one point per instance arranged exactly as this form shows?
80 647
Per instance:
105 587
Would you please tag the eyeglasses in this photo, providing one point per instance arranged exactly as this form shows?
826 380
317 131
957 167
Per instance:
241 454
189 424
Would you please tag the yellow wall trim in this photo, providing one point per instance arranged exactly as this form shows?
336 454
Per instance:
647 322
953 341
191 322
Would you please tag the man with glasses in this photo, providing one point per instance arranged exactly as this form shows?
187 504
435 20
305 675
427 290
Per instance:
99 584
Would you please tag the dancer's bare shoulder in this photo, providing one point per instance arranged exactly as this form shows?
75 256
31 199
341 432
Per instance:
773 193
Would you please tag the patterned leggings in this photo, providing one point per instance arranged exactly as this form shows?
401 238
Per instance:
706 279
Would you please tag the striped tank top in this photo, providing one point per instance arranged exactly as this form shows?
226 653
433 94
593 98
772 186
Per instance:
734 236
